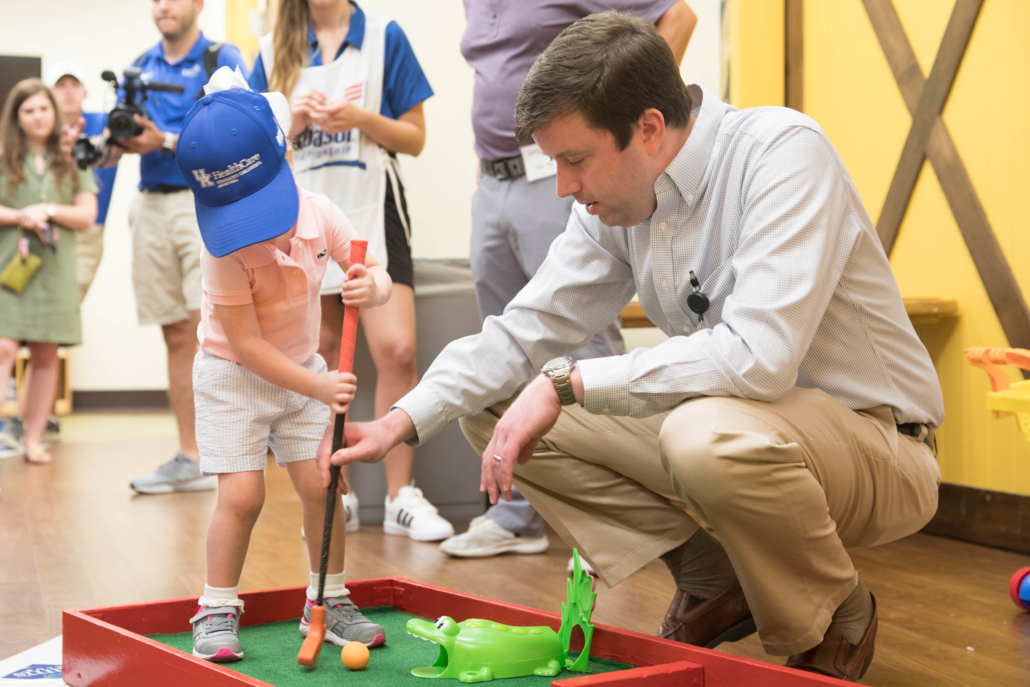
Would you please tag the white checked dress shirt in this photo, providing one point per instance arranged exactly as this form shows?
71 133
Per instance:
761 207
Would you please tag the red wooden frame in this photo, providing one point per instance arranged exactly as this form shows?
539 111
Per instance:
106 647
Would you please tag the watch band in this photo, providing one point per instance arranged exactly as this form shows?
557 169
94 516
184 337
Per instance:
561 377
169 142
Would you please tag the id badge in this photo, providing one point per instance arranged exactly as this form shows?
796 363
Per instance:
538 165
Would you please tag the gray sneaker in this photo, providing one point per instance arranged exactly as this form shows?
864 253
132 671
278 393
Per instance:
12 432
52 432
344 623
178 474
216 634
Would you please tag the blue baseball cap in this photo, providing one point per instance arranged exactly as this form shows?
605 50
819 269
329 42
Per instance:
233 155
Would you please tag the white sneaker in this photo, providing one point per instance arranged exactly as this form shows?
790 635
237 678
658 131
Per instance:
350 514
411 515
485 538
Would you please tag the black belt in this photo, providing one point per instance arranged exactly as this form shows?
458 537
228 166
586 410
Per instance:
502 170
165 189
919 432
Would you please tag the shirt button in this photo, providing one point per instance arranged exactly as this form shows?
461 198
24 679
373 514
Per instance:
690 198
296 273
663 226
606 410
686 329
665 284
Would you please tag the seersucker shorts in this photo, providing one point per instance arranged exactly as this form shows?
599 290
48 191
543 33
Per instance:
240 416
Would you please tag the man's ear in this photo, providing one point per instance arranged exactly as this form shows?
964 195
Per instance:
651 126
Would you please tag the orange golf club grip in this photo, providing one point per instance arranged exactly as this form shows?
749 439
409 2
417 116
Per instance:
358 248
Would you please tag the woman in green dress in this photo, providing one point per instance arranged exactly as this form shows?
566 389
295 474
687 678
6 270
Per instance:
43 193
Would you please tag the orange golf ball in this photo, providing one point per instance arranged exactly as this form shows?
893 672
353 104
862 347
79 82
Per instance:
354 655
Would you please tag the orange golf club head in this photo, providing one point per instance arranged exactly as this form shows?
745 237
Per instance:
312 646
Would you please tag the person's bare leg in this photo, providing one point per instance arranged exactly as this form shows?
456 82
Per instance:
308 483
8 352
40 398
390 332
240 498
181 340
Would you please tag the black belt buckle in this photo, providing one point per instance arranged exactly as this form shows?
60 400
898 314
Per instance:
500 170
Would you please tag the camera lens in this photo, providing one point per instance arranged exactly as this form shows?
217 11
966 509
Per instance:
121 125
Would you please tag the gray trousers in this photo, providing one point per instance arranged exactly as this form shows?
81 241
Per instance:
513 225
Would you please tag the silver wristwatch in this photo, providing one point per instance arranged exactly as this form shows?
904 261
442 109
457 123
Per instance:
560 372
169 143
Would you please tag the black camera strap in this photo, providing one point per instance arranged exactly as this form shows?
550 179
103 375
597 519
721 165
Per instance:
210 60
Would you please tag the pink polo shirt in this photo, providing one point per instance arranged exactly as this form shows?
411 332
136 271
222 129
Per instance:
283 288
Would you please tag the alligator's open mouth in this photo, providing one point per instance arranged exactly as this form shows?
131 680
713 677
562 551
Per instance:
428 632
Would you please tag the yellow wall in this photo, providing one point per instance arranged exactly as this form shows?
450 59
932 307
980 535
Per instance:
850 91
756 74
237 27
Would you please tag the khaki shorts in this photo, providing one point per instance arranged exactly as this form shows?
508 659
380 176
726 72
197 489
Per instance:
166 247
240 416
90 246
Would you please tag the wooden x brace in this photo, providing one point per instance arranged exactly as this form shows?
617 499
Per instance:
929 138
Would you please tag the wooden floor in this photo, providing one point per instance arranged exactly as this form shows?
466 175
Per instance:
72 535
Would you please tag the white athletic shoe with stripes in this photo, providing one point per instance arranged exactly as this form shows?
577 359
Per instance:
411 515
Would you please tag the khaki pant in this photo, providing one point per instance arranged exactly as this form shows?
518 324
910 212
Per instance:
786 486
90 247
166 248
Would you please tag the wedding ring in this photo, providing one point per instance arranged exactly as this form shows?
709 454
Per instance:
498 458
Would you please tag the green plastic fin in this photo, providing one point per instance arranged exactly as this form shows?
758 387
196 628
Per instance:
577 611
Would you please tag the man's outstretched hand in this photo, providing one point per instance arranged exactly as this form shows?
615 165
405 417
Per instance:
364 442
523 425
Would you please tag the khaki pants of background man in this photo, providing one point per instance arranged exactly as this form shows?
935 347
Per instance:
90 247
787 487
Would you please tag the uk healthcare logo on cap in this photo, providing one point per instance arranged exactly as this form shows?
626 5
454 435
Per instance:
233 155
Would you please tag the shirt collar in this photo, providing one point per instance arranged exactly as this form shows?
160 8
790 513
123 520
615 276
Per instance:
687 169
355 34
194 54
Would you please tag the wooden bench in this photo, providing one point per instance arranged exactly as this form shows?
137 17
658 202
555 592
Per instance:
920 311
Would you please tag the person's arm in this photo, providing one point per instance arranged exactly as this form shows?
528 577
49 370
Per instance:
579 290
241 328
406 134
676 26
79 216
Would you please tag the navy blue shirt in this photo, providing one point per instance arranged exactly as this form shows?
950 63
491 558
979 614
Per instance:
167 110
95 123
404 83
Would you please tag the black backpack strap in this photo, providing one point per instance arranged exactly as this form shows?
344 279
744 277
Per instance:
210 63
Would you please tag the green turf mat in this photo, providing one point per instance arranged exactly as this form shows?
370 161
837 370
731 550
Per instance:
270 655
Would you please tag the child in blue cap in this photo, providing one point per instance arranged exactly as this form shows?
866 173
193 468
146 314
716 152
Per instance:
258 382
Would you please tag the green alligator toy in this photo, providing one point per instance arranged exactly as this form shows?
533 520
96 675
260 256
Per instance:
481 650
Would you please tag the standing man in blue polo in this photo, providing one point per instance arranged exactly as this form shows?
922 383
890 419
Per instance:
165 236
516 211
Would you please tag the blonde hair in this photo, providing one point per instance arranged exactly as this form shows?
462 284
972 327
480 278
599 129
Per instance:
14 144
290 45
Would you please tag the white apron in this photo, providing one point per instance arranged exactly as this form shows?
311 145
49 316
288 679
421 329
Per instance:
349 167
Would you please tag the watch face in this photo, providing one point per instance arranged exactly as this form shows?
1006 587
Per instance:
558 363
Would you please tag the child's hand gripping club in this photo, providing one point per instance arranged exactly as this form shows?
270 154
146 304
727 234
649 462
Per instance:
312 646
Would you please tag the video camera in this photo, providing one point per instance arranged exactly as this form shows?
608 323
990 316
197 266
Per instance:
120 122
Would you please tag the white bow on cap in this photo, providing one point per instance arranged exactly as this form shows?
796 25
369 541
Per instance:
226 78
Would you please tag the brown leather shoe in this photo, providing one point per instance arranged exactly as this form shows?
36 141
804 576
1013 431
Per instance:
835 656
726 618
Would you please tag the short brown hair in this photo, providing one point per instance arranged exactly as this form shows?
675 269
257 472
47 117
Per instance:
610 67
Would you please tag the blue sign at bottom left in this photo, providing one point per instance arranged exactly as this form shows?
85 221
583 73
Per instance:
36 671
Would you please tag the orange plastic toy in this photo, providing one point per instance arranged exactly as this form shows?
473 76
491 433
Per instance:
1007 399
